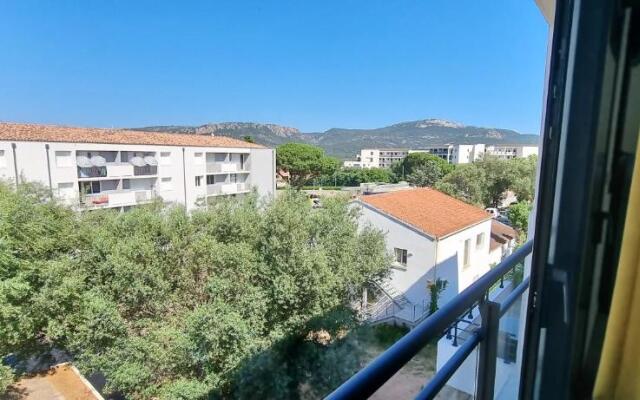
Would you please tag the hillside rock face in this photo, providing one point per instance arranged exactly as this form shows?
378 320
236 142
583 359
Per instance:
345 143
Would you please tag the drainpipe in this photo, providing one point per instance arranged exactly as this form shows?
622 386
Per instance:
46 146
15 163
184 179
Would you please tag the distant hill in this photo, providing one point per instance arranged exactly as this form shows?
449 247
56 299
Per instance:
345 143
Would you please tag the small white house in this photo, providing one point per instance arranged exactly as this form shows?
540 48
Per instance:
431 236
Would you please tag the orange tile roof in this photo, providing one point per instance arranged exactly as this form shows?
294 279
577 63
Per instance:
67 134
428 210
500 234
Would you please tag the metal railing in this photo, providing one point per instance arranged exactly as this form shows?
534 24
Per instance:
364 383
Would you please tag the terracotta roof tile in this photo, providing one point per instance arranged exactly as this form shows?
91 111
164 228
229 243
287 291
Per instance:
501 234
57 133
428 210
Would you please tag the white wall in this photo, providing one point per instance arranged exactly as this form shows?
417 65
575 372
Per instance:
411 281
451 259
262 166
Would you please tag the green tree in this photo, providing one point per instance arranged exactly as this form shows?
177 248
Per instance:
524 177
356 176
169 304
430 166
467 182
519 215
303 162
248 139
6 378
499 177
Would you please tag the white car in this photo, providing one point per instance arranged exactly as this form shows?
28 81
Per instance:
493 211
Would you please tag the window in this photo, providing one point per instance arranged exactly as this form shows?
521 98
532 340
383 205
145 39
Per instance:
3 160
198 158
165 158
401 256
198 181
166 184
210 179
479 240
467 253
63 159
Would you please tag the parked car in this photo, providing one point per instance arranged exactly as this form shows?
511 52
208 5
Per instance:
493 211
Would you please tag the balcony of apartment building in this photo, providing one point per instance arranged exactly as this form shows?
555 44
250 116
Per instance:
227 163
556 318
115 164
116 192
227 184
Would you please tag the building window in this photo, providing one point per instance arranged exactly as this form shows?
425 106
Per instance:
63 159
198 158
166 183
3 160
479 240
198 181
467 253
165 158
401 256
210 179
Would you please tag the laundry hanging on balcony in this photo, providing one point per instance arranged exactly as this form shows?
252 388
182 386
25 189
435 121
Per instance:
98 161
151 160
83 162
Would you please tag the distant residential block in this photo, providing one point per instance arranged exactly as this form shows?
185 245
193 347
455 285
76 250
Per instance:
103 168
452 153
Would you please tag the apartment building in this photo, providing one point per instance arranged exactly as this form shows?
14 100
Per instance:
430 236
378 158
452 153
91 168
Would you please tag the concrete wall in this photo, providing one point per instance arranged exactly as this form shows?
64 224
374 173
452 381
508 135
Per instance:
262 165
451 258
412 279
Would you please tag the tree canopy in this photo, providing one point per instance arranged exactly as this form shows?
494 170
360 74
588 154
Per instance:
356 176
303 162
486 182
173 305
422 169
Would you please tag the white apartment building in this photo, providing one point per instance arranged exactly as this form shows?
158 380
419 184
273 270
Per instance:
455 153
452 153
431 236
92 168
377 158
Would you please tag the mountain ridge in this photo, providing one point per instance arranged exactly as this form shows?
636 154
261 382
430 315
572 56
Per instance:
346 142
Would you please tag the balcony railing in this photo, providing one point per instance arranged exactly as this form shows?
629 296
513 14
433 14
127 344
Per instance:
226 167
364 383
116 198
226 188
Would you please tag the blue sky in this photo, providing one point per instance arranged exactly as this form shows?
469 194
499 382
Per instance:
308 64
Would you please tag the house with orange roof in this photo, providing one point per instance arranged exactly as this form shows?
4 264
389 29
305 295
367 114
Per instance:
91 168
432 237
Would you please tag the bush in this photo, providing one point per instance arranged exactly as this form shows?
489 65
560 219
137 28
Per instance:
162 301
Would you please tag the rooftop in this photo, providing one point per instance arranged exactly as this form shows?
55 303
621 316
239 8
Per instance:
67 134
428 210
501 234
